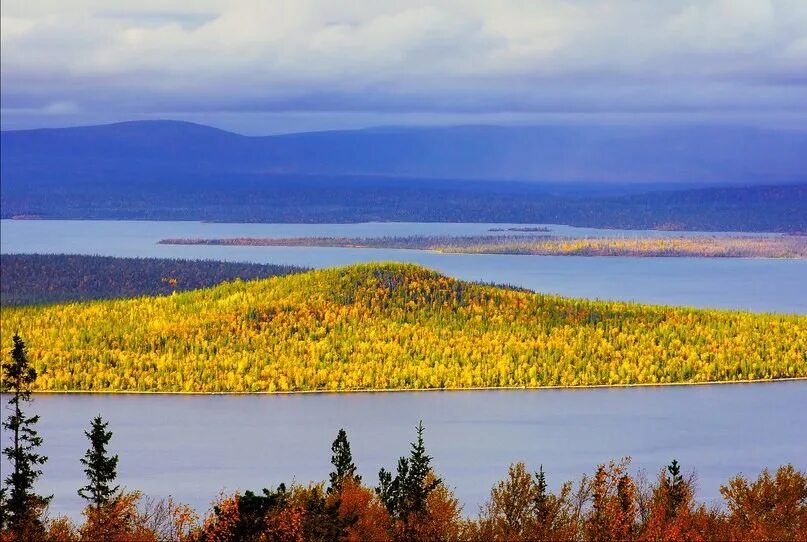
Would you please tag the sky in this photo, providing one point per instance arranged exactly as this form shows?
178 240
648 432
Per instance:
261 67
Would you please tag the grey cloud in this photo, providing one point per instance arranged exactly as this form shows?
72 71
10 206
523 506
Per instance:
440 58
159 18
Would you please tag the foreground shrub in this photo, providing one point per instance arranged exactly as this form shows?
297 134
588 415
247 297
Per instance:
769 508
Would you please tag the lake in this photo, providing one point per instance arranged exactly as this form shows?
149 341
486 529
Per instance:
193 446
764 285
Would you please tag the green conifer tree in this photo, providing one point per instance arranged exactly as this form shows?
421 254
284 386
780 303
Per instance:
418 486
406 494
676 488
100 468
21 507
342 460
541 495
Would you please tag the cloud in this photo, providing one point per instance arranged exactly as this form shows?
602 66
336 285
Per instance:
439 57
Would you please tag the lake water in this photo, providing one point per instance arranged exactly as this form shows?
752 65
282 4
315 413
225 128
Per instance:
764 285
194 446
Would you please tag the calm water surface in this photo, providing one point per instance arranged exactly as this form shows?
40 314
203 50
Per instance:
194 446
734 283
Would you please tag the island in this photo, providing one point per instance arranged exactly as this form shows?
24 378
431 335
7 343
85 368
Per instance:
712 246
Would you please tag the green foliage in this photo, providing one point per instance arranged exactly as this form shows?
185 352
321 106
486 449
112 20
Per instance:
253 510
676 487
51 278
101 469
299 513
406 494
342 460
321 520
21 504
541 495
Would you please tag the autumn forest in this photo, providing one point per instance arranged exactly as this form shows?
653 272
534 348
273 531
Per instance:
392 326
524 271
408 503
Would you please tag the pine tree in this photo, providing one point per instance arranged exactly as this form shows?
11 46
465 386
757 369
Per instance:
101 469
342 460
22 507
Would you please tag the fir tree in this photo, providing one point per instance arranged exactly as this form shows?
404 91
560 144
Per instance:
101 469
342 460
406 494
21 506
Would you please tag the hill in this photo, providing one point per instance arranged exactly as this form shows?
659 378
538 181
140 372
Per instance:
601 176
139 150
392 326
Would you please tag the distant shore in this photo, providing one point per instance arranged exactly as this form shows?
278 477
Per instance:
788 247
427 390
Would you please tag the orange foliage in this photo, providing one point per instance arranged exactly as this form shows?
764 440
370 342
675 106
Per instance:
118 521
607 507
442 521
673 514
769 508
285 525
613 512
220 527
367 517
61 529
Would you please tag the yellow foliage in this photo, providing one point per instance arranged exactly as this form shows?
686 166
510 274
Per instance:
389 326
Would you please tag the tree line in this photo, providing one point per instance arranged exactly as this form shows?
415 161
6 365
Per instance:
334 199
52 278
701 246
409 503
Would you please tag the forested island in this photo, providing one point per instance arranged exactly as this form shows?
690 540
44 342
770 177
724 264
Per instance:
408 503
393 326
28 279
792 246
524 229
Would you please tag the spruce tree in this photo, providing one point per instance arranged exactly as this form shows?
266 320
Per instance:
342 460
406 494
101 469
21 506
418 486
541 495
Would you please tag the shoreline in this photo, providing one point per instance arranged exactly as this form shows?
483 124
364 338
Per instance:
779 247
426 390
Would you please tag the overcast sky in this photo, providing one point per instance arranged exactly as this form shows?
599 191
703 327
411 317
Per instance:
275 66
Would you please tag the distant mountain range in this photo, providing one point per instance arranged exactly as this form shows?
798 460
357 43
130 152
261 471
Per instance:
602 176
143 149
